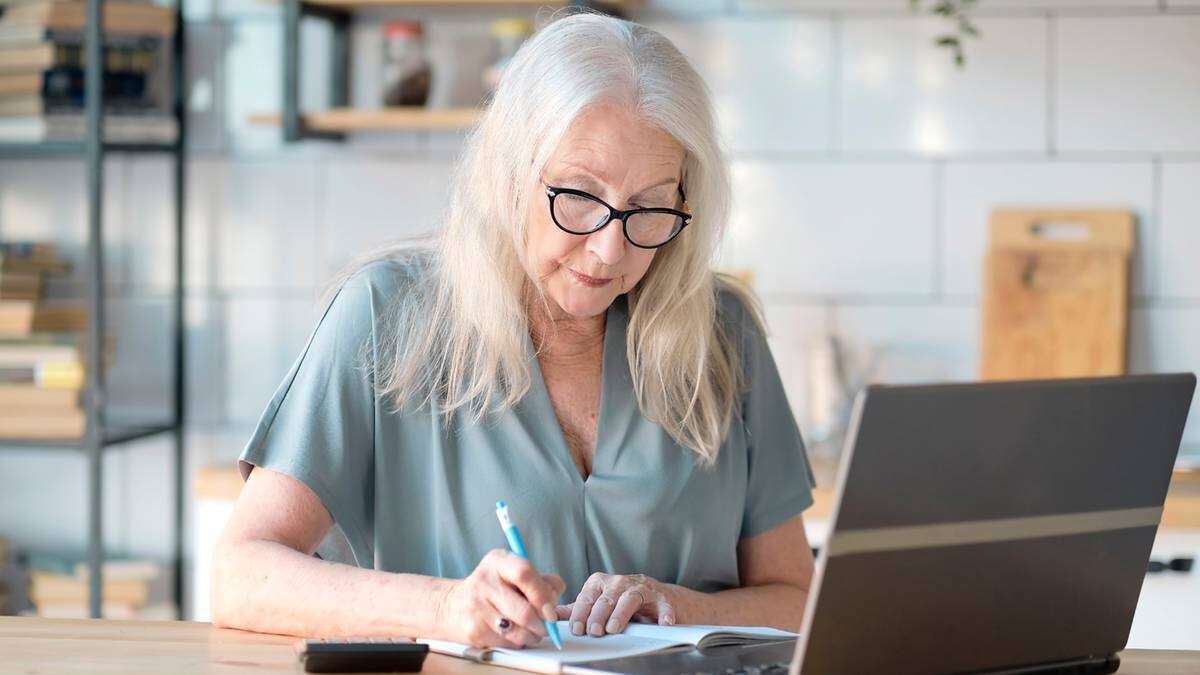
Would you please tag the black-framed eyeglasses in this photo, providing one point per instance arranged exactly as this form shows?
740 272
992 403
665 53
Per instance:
577 212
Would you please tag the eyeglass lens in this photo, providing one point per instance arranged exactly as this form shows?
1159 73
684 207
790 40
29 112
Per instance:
579 214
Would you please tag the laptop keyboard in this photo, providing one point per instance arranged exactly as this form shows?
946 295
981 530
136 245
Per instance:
774 668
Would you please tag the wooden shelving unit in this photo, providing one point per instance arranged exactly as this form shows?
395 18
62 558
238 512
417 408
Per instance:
342 120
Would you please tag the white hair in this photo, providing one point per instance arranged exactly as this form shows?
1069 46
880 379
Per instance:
458 341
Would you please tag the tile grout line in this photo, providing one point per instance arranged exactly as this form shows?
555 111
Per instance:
1051 84
837 28
962 300
1153 255
221 304
939 226
321 168
796 12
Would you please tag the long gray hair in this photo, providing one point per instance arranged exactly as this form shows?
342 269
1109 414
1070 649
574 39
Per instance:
458 341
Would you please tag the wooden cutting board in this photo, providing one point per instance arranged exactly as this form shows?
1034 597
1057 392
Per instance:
1056 293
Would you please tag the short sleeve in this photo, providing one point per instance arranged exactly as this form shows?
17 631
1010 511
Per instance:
780 478
319 426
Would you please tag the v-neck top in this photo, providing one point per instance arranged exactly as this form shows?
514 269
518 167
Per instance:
414 494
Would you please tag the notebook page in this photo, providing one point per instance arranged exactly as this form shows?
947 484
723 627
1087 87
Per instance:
544 658
637 639
708 636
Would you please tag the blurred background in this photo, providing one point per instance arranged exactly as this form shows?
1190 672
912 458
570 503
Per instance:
883 155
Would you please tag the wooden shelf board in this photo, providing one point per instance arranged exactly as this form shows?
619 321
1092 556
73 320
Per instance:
348 119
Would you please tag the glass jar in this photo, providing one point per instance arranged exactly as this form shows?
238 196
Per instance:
508 35
406 70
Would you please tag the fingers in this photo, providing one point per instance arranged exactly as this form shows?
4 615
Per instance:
541 592
582 607
515 638
627 605
665 611
484 630
512 605
564 611
556 582
602 609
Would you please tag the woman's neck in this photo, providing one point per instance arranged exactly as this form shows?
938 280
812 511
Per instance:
563 339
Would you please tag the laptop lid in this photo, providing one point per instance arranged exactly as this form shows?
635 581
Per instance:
989 525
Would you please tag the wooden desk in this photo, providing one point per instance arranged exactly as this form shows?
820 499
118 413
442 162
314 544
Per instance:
32 646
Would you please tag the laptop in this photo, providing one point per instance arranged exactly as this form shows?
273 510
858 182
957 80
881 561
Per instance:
994 527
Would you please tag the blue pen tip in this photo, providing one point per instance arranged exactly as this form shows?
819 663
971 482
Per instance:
500 505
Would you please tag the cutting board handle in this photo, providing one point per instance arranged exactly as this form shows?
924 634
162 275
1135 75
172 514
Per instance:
1058 229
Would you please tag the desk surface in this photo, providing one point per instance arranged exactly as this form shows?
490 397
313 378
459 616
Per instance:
31 645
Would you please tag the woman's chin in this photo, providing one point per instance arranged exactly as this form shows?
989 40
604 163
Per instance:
584 303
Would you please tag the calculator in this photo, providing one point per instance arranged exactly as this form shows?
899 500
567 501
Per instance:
361 654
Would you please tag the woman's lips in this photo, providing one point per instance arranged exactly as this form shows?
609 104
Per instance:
584 279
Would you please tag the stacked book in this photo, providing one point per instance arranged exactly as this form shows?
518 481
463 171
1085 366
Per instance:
41 355
42 65
59 589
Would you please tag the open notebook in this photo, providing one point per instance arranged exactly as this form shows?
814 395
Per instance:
638 639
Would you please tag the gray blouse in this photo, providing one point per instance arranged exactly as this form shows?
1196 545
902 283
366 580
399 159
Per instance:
414 495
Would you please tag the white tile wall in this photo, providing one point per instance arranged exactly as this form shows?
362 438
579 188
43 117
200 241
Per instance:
987 6
198 10
822 228
369 202
38 483
263 336
824 5
202 222
1164 340
206 359
138 383
792 328
1180 262
973 189
900 92
771 80
243 9
1129 83
919 342
267 224
147 222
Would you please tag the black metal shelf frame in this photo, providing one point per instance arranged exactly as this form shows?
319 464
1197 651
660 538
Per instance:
76 148
98 436
294 12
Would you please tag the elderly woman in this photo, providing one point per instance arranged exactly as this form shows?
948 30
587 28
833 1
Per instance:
561 343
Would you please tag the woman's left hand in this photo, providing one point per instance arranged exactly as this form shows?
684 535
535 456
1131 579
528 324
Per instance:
607 603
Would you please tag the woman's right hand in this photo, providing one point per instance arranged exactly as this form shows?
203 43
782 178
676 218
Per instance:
503 585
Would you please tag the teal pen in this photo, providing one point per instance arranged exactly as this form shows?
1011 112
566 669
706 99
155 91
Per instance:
514 543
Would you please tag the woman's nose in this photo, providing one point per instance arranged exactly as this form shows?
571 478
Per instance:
608 244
